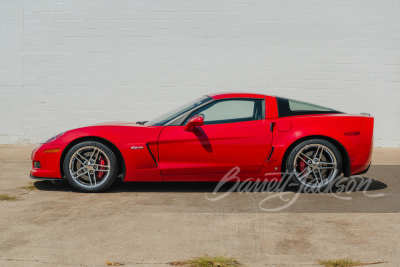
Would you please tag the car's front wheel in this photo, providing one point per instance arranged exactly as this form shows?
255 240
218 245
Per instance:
314 164
90 167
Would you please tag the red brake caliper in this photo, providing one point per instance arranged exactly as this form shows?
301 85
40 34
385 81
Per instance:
302 165
101 162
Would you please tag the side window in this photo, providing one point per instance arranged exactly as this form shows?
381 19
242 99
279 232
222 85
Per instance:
289 107
229 111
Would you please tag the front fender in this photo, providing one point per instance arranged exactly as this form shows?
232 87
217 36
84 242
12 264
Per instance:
140 164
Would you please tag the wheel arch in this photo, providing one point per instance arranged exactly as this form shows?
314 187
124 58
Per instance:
343 152
114 149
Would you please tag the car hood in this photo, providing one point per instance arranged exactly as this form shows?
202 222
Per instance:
118 123
115 132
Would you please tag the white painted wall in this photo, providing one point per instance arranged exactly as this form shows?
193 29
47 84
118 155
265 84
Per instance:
70 63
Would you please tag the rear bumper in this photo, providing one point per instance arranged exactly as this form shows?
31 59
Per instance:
363 154
364 171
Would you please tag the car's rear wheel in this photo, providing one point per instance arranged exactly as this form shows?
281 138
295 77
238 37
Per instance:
90 167
314 164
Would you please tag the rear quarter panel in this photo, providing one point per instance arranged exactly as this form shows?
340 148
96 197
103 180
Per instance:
291 130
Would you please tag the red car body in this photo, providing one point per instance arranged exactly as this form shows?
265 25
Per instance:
169 153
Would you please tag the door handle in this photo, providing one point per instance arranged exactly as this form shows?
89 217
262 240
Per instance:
272 126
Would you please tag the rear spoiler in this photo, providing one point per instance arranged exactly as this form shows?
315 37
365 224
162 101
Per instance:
366 114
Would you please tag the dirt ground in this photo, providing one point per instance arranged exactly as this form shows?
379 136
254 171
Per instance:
151 224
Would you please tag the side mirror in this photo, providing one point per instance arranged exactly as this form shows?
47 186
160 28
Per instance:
193 123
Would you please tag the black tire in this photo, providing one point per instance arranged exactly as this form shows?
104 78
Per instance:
96 186
329 152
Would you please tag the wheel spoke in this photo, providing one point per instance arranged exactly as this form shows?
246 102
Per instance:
303 171
327 168
305 161
320 154
78 170
79 160
301 175
320 176
304 155
305 175
316 153
79 175
315 177
328 163
102 166
90 179
91 156
85 159
97 156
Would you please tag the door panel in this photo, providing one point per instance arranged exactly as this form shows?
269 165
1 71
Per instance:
214 149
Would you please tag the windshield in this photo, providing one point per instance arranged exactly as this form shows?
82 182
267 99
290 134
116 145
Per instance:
173 114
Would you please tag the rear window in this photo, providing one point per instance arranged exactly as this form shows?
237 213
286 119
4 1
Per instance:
289 107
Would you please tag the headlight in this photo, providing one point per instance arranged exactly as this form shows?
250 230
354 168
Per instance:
53 138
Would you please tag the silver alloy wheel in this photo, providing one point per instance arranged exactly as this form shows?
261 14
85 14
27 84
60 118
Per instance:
89 167
315 165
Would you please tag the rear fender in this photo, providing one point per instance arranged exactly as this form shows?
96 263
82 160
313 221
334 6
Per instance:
331 128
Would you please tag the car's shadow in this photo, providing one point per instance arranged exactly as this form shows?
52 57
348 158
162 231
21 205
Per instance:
353 184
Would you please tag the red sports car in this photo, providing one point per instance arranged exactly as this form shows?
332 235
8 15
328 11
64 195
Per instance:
203 140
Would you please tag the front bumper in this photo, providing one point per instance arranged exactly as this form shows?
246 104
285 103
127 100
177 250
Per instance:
44 178
49 156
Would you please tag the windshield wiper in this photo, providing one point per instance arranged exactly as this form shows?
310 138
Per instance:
141 122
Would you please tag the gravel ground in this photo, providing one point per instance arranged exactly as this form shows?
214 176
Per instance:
151 224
